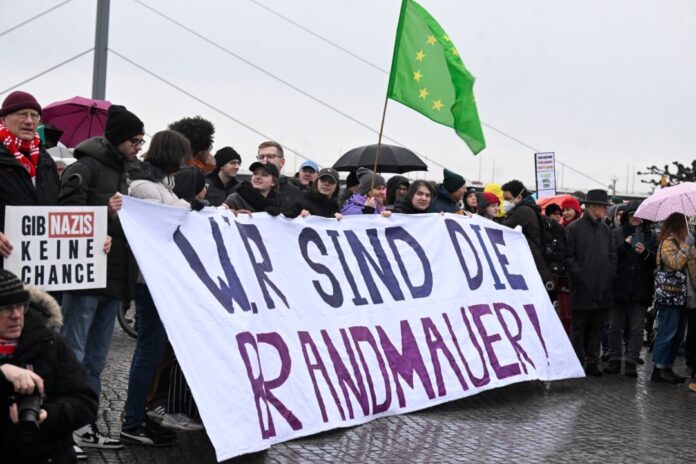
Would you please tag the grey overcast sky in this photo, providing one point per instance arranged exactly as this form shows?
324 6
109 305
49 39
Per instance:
609 85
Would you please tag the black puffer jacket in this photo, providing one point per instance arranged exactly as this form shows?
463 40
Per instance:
100 172
68 399
16 188
591 264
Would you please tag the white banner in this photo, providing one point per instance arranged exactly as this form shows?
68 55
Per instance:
57 247
286 328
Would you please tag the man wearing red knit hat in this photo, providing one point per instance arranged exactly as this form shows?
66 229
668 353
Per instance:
28 175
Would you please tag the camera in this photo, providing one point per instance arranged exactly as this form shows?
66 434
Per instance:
28 408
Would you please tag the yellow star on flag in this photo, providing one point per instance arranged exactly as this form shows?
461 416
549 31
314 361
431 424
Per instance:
437 104
431 40
420 55
423 93
454 51
446 38
417 76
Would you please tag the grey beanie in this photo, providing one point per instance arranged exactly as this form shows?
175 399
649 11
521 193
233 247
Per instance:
365 179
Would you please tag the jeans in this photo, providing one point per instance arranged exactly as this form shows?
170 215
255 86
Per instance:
634 313
149 351
670 330
88 326
587 334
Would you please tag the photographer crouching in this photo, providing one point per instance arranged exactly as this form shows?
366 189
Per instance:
44 390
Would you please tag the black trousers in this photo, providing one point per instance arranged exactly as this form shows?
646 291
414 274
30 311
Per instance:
587 333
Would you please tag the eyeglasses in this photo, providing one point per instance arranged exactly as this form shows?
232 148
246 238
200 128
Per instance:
9 309
27 114
261 157
137 142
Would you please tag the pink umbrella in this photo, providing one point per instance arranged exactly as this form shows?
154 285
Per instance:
680 198
79 118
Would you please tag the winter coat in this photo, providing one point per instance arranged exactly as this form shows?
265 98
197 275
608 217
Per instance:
289 194
248 198
99 172
318 204
404 206
217 191
526 215
156 187
591 264
68 398
634 272
443 202
17 189
356 205
392 184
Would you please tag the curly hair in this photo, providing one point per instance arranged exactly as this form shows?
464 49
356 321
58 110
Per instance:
197 130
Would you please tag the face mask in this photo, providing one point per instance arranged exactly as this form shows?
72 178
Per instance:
507 206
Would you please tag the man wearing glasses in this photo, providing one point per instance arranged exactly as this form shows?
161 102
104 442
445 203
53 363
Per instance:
290 195
28 175
38 369
97 178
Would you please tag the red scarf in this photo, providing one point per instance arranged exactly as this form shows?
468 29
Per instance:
26 152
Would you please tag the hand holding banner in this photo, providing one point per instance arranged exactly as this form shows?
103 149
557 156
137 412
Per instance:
286 328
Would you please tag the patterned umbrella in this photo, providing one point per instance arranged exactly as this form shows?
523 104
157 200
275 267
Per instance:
79 118
679 198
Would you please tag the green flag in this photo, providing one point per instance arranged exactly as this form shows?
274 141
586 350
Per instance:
429 76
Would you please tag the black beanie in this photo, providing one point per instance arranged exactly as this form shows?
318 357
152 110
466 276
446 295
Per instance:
188 182
452 181
122 125
11 289
366 184
225 155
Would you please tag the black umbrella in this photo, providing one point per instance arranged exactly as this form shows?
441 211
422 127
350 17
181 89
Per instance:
391 159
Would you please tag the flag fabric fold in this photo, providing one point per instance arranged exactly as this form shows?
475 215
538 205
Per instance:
429 76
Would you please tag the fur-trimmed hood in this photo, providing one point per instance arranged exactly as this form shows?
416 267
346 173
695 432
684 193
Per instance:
45 305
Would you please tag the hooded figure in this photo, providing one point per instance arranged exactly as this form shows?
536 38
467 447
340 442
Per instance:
393 185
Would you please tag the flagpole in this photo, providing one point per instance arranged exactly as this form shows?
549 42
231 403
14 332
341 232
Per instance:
379 143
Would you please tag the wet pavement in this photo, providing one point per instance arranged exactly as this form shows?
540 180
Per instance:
609 419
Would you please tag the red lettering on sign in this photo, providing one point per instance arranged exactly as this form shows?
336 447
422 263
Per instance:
70 225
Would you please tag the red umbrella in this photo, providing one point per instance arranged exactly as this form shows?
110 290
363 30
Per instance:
79 118
558 200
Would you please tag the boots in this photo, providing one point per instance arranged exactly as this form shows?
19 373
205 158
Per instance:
666 376
630 369
593 370
614 367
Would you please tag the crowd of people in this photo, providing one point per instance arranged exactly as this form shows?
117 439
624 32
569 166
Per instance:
597 264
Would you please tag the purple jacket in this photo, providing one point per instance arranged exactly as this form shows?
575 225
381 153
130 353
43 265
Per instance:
356 204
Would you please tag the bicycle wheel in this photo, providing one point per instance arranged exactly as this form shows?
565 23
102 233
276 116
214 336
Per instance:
127 316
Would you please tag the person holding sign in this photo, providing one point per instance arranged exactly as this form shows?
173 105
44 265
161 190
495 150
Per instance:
168 151
260 193
372 193
417 199
449 194
95 179
28 175
321 197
